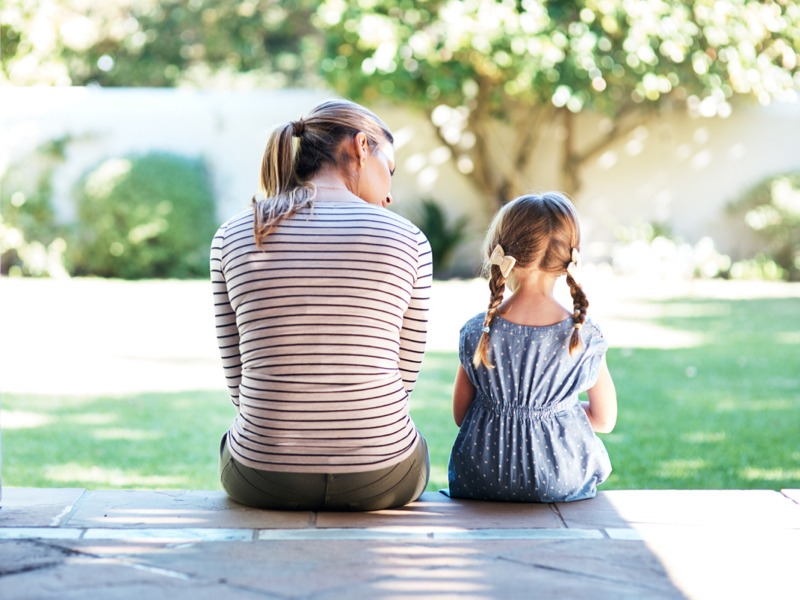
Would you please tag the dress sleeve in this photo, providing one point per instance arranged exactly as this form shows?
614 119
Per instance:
596 347
225 319
414 332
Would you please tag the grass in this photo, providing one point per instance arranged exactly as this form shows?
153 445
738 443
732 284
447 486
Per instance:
722 414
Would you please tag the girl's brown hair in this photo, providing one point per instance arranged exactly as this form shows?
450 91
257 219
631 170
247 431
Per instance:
287 166
540 231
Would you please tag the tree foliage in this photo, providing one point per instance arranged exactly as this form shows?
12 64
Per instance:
159 43
472 62
469 64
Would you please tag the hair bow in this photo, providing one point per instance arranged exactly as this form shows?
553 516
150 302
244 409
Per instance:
572 267
502 260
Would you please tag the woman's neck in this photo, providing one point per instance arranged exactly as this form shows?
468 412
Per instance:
329 180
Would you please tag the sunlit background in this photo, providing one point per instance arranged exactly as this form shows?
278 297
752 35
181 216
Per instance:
129 130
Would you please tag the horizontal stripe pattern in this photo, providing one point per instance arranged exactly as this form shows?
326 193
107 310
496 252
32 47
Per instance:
321 334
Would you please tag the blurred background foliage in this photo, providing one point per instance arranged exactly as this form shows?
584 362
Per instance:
148 216
466 63
143 216
771 208
469 65
31 241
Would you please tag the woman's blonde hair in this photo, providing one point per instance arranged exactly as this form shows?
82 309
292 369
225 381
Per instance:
287 166
540 231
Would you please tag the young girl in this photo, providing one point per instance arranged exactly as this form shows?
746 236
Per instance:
525 436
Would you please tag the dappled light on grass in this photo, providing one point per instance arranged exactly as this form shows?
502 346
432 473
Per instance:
790 338
73 474
680 467
20 419
760 406
721 415
777 475
138 441
704 437
134 435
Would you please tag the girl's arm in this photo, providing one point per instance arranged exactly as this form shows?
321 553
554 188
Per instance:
602 406
463 395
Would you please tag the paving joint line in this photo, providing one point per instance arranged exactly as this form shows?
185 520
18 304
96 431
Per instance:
69 511
193 535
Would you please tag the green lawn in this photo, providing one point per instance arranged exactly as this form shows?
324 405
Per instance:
722 414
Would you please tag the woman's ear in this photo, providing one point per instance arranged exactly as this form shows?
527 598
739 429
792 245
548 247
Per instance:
361 147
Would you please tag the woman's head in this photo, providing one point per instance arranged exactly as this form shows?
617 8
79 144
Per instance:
337 136
540 231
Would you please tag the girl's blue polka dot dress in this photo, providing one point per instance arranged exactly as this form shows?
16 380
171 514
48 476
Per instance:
525 437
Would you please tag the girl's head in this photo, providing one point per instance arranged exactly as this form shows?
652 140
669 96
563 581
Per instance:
540 232
338 136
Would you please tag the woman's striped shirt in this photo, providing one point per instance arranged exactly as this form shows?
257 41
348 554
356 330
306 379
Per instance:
322 334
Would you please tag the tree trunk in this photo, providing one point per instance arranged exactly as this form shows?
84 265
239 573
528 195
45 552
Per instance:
570 162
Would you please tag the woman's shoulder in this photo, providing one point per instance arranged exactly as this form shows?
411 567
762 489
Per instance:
362 212
243 217
400 220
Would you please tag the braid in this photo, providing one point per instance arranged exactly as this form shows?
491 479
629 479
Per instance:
497 287
580 303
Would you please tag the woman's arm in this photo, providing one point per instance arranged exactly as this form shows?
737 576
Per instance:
225 321
463 395
414 331
602 406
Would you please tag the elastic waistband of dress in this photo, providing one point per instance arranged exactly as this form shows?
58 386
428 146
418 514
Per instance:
531 413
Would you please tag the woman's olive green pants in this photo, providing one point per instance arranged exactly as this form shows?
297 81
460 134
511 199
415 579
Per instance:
370 490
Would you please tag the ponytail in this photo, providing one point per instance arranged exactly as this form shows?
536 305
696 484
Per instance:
285 194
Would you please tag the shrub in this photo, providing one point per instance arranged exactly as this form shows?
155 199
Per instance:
651 249
31 241
149 216
772 210
443 235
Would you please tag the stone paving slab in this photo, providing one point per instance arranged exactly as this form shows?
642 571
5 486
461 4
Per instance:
31 507
437 510
350 569
174 509
633 508
187 544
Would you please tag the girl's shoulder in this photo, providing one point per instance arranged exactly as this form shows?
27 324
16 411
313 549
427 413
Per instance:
474 324
592 329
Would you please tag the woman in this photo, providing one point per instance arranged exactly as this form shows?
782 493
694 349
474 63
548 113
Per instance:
321 303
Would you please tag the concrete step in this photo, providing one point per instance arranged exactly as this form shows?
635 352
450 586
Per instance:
68 543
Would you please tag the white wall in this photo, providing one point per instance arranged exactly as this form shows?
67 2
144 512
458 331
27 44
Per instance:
678 170
683 171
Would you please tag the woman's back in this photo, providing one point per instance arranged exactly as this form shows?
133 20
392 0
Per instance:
326 326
